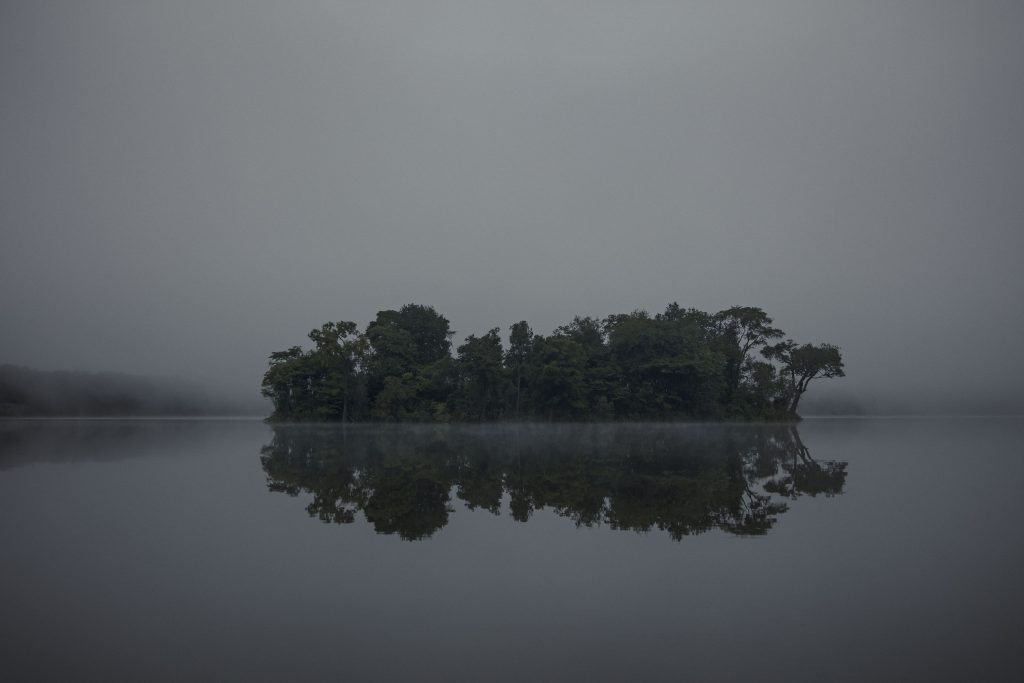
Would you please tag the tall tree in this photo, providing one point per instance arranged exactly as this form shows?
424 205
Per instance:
336 358
751 326
284 382
746 328
482 376
429 330
519 342
409 363
555 373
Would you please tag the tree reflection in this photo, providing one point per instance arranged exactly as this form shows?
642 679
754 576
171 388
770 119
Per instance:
675 478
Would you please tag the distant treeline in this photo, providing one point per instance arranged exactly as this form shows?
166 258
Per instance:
679 364
25 392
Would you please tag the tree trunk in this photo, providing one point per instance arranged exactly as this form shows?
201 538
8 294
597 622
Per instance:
797 394
519 385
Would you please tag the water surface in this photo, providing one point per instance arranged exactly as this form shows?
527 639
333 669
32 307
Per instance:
232 550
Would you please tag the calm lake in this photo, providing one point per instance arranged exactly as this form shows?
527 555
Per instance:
844 549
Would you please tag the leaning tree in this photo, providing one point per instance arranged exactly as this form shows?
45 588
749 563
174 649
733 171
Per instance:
801 364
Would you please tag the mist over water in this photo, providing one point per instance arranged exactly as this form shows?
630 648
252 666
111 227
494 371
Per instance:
25 392
175 549
188 188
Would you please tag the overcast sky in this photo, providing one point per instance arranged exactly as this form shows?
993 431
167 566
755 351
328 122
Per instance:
188 186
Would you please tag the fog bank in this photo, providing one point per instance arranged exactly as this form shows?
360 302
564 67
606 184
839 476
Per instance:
188 187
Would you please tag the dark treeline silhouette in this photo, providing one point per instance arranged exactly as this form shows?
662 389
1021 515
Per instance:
682 480
679 364
25 392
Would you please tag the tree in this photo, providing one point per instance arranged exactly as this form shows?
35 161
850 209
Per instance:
748 328
409 363
339 352
801 364
751 326
670 364
587 332
392 348
682 363
482 376
431 338
284 381
519 342
555 373
599 386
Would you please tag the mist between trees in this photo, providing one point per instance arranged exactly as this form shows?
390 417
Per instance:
679 364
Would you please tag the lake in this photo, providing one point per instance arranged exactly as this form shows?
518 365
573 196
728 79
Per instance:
842 549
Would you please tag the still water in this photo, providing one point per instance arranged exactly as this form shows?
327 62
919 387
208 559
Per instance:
233 550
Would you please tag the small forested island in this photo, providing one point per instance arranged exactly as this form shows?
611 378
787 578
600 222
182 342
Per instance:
682 364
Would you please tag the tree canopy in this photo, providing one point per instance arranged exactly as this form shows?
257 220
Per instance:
682 363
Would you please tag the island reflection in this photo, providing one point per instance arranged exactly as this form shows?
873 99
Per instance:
681 479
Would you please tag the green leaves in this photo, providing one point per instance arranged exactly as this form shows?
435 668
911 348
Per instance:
801 364
682 363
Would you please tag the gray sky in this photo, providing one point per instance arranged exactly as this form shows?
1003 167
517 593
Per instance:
187 186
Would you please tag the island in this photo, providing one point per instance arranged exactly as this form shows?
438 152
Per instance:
681 364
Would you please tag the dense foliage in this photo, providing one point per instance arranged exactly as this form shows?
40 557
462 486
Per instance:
679 364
